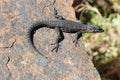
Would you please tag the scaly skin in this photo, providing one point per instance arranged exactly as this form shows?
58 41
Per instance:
61 26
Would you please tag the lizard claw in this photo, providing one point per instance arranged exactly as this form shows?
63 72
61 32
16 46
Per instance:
76 43
52 43
55 48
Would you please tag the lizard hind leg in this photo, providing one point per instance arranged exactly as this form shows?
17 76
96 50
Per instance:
77 36
59 38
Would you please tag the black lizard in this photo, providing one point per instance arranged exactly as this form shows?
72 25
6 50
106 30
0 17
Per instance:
61 26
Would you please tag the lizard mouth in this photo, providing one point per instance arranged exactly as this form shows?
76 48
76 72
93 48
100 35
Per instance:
99 30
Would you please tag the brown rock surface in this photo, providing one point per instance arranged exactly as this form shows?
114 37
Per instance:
17 62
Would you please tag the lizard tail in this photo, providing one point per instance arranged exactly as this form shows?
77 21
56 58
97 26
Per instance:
30 34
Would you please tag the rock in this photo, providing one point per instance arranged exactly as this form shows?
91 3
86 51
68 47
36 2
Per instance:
17 62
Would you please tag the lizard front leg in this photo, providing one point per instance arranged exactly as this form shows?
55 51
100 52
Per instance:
59 38
77 36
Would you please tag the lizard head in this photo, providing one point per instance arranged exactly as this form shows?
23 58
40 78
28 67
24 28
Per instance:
94 29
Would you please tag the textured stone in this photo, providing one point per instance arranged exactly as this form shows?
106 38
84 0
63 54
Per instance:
17 62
